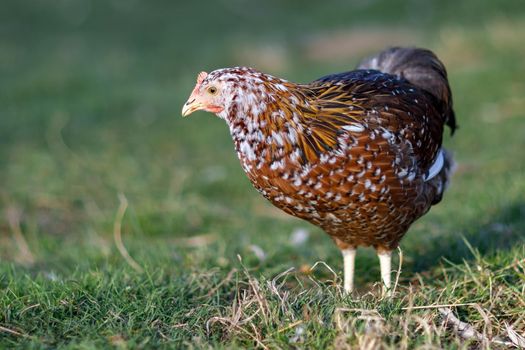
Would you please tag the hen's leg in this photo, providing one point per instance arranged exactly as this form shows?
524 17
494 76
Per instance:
385 261
349 264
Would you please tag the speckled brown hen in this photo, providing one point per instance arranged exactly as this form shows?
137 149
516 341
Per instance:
358 153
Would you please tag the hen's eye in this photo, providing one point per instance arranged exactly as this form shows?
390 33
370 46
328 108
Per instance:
212 90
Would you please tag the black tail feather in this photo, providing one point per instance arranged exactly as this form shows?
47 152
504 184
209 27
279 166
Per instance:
421 68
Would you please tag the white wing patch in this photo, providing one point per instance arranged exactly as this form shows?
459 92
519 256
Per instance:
354 127
436 167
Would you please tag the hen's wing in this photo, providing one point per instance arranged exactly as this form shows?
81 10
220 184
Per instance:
374 107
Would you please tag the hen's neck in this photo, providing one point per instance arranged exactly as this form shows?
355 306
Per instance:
264 122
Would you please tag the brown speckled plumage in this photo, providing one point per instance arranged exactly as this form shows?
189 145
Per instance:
357 154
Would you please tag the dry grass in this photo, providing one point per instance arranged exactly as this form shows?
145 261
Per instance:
415 317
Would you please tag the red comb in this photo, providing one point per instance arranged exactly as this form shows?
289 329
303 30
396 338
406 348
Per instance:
201 77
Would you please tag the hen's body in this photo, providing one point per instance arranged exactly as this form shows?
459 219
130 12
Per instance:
357 154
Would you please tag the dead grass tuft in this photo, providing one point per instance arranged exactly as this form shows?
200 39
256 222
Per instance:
259 311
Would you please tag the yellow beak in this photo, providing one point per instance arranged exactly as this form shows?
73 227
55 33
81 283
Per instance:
191 106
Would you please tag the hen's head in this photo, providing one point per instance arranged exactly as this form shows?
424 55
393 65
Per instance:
209 95
219 91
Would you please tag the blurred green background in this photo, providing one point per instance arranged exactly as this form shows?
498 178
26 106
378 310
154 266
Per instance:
90 101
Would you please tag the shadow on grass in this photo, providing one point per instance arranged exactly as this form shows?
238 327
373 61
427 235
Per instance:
491 234
499 232
422 252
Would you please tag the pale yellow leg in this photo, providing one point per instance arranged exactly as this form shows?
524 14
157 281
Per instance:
385 262
349 265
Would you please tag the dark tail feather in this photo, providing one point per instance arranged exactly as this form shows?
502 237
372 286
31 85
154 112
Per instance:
421 68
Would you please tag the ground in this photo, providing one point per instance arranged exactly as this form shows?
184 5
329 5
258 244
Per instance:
124 225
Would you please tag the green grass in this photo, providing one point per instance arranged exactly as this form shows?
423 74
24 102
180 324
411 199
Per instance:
90 100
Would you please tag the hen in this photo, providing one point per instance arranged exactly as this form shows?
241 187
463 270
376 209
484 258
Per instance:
357 153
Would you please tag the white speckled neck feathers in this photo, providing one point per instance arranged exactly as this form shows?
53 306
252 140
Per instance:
264 116
274 118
